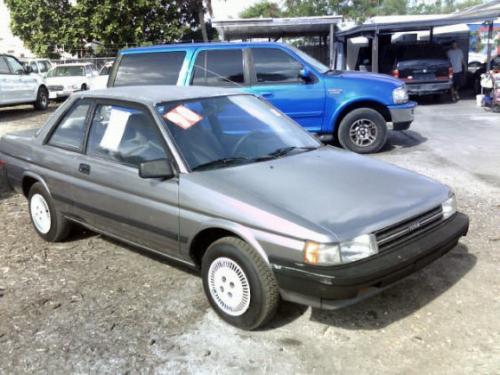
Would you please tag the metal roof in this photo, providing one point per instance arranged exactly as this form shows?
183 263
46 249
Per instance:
274 27
485 12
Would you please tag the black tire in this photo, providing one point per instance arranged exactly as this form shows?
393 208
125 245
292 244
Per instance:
476 86
59 226
360 119
263 288
84 87
42 99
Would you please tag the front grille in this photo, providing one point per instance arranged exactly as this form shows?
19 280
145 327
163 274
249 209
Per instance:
403 231
56 88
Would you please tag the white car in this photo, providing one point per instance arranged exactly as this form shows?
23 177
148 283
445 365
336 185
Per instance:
101 81
38 66
65 79
18 86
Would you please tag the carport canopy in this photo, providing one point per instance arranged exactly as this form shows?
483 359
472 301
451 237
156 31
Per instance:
482 13
277 28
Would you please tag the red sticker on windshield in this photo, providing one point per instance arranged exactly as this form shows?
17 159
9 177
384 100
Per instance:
183 117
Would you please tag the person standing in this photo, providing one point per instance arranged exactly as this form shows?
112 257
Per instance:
456 57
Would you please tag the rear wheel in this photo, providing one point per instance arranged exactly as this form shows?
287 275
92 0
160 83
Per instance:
239 285
49 223
42 99
363 130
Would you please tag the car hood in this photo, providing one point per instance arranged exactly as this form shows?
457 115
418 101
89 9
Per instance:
370 78
323 195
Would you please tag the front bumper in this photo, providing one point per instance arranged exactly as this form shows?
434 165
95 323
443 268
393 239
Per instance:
402 115
61 94
335 287
429 88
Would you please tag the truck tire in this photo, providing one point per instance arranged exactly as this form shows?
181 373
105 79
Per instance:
42 99
49 223
363 130
238 283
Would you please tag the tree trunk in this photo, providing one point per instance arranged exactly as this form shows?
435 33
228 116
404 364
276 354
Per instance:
203 26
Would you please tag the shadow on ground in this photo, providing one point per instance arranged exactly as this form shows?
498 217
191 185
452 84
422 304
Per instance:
404 298
22 113
403 139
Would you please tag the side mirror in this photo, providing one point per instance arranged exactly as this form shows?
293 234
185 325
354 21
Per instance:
305 74
28 69
160 168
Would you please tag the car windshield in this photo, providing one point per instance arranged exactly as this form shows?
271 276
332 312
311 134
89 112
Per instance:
231 130
319 66
67 71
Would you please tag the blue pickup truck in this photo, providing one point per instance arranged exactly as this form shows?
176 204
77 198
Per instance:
353 108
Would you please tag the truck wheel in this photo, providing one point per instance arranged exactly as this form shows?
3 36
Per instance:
363 130
42 99
47 221
239 285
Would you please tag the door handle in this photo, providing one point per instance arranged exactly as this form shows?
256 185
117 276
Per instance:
267 94
84 168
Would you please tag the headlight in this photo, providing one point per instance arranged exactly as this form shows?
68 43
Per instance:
345 252
400 95
449 207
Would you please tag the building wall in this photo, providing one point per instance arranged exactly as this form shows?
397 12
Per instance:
8 42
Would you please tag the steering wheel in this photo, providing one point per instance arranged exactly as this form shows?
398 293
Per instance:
245 138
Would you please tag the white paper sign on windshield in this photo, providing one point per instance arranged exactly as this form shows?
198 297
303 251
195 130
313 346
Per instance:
115 129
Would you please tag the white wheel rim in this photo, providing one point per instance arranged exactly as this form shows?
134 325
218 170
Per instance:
229 286
40 213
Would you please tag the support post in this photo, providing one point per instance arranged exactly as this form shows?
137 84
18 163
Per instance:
488 54
375 52
331 44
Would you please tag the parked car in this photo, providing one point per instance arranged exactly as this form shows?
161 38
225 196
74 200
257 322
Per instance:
475 69
39 66
226 183
65 79
101 81
18 86
351 107
424 67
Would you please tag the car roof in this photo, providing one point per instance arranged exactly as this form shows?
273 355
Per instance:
185 46
152 95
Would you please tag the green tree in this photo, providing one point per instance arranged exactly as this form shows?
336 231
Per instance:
43 24
263 8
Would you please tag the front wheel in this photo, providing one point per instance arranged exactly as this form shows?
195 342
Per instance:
239 285
42 99
363 130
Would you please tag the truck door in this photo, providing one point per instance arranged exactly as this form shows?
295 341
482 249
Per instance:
276 76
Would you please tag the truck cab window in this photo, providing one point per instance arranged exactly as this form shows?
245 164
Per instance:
219 68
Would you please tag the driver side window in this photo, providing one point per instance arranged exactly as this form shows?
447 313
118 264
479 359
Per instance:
125 135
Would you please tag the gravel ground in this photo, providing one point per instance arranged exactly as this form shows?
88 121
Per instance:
93 306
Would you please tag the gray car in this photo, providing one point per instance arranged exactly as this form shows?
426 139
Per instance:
225 183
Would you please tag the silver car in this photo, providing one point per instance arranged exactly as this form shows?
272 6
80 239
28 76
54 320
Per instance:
225 183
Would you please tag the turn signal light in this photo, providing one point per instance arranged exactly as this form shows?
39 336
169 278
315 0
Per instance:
395 73
450 73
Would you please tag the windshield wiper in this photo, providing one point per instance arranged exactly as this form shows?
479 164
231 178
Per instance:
284 151
221 162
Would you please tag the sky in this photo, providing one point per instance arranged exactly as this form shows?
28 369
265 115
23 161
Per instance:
230 8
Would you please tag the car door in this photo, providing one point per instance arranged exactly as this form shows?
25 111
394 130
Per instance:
276 76
25 85
110 194
9 84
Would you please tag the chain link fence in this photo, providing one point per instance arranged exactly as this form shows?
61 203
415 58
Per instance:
97 61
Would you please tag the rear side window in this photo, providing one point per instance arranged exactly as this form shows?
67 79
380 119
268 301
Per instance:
4 68
274 65
71 130
125 135
34 67
149 69
219 68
